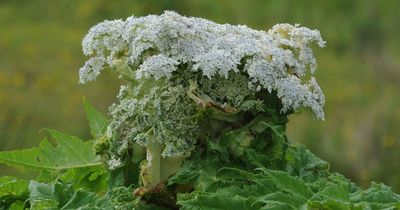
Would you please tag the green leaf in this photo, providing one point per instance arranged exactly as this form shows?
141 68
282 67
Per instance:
61 196
332 191
97 122
276 205
71 152
377 193
256 159
301 162
329 204
86 200
227 173
42 196
12 186
213 202
89 178
122 198
13 192
192 170
288 183
291 200
17 205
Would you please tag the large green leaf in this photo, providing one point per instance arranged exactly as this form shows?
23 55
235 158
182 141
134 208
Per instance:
62 196
288 183
97 122
377 193
70 152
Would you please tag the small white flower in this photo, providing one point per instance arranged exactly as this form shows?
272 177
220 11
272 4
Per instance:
91 69
157 66
114 163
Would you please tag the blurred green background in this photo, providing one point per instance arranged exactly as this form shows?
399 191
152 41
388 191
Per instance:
359 71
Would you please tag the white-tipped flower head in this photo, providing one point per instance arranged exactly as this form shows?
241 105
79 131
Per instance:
179 69
277 60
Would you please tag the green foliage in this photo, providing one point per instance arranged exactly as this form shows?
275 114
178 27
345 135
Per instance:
262 188
221 182
75 176
262 172
13 192
61 196
71 152
97 122
73 160
122 198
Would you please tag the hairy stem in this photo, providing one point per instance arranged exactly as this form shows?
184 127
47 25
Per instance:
150 172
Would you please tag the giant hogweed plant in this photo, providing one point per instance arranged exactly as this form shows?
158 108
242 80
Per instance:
199 123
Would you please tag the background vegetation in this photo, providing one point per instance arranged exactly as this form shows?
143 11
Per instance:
359 71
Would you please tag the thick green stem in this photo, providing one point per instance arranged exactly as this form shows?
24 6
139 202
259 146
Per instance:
150 172
157 169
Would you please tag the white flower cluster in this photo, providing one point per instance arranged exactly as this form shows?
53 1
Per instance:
157 66
278 60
